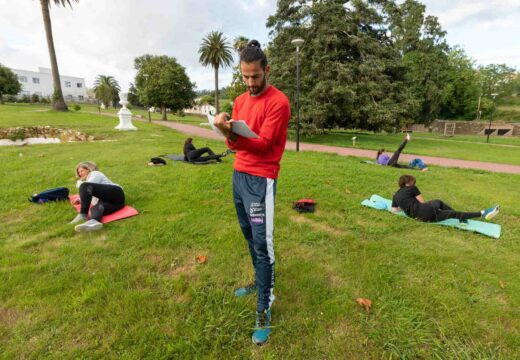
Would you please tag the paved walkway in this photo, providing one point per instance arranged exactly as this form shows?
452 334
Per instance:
345 151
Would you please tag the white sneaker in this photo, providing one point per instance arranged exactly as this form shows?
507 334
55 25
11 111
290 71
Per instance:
407 136
78 218
91 225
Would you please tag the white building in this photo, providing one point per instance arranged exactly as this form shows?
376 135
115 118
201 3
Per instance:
40 83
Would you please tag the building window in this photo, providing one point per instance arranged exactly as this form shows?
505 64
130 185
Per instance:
67 84
80 85
39 93
25 92
22 78
81 98
69 97
36 80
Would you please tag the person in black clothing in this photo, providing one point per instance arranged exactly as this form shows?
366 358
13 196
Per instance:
192 154
409 199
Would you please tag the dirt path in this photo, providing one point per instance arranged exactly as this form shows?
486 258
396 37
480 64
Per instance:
344 151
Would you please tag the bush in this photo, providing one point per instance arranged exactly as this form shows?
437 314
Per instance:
76 107
45 100
35 98
25 99
10 98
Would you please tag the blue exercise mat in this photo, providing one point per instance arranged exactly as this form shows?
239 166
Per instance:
481 227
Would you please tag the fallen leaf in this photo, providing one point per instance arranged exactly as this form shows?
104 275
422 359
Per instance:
201 259
347 190
502 285
366 303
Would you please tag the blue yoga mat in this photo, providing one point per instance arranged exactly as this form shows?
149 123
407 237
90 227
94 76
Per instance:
481 227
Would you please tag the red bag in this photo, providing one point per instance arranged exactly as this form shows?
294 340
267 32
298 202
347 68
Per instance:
304 205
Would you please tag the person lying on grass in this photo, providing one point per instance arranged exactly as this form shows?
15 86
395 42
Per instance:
409 199
385 160
96 189
192 154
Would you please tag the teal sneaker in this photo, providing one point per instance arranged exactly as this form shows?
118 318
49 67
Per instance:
491 212
263 327
246 290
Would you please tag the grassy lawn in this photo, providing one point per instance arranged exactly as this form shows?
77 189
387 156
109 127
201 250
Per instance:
504 150
134 289
499 150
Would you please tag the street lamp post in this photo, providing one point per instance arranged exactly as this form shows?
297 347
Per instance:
148 107
298 43
491 117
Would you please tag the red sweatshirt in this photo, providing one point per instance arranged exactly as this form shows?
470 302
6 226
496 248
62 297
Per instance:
268 116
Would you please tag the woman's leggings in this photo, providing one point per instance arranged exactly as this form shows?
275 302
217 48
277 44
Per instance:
196 155
395 157
111 198
437 210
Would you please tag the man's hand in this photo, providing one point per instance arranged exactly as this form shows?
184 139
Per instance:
76 201
223 123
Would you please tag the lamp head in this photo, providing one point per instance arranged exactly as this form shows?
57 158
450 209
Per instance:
297 42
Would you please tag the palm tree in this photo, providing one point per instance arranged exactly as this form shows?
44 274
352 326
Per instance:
58 101
240 43
106 89
215 51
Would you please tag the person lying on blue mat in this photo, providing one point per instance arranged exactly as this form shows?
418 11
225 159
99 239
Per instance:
409 199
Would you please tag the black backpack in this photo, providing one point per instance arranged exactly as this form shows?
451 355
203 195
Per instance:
157 161
56 194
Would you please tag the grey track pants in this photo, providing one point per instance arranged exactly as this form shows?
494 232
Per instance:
254 204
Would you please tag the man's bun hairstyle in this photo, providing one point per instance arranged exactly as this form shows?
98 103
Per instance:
253 52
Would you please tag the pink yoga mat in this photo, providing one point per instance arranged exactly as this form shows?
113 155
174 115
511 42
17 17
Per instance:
125 212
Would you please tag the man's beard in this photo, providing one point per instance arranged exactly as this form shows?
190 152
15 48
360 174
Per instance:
254 91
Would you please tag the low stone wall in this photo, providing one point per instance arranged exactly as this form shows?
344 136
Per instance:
20 133
475 127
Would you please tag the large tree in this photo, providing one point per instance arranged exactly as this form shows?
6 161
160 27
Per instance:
215 51
106 89
460 97
497 79
351 74
9 84
421 42
162 82
58 103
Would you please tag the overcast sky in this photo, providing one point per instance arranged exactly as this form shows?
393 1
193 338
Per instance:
104 36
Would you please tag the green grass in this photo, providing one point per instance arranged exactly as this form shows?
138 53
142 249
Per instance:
499 150
134 290
505 150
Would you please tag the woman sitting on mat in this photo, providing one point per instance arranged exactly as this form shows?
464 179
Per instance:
385 160
409 199
192 154
96 189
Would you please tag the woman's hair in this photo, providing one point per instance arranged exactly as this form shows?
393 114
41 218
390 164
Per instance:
379 152
253 52
406 180
186 143
88 165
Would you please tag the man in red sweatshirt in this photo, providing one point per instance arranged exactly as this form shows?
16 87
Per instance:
267 112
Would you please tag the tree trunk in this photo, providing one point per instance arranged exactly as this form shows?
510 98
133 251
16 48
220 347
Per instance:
216 91
163 112
57 97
